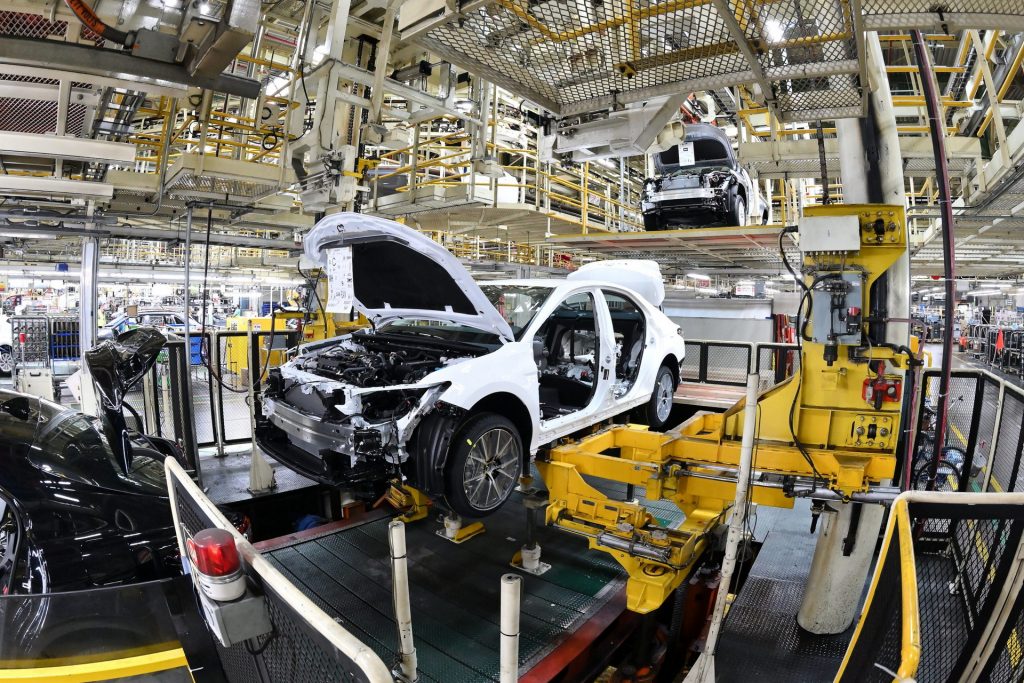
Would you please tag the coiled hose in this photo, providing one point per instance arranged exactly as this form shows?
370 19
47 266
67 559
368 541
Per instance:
96 25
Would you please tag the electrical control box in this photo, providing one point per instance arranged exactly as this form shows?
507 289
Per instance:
837 316
829 234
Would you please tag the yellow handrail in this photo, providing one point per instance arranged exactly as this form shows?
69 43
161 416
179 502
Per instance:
100 671
910 615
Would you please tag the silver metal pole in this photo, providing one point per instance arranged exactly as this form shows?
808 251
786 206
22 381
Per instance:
703 670
511 594
406 669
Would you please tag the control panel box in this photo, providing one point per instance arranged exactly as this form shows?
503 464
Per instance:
829 233
837 316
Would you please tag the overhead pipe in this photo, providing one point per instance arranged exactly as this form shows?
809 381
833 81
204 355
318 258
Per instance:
931 98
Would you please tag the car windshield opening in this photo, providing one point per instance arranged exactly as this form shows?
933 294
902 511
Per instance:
517 304
442 330
706 152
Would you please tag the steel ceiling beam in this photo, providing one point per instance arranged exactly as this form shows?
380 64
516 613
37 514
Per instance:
736 31
83 59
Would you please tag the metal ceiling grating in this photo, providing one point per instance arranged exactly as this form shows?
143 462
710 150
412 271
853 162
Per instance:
948 15
30 25
574 56
576 52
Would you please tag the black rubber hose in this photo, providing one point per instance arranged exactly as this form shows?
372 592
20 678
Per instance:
931 99
96 25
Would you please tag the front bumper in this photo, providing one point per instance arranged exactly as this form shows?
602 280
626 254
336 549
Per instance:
310 433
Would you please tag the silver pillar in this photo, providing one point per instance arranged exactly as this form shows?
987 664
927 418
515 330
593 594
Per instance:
87 321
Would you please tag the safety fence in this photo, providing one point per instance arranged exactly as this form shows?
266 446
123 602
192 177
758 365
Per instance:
728 363
304 643
984 437
215 413
945 601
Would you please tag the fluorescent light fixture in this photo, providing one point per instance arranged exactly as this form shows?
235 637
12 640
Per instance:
698 276
984 292
707 290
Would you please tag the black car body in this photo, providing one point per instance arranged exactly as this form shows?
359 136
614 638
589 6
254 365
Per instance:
71 516
700 183
83 500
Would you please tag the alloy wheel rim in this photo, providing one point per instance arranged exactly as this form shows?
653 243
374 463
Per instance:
664 398
491 467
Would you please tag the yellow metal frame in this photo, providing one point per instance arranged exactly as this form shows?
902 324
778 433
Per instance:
845 441
100 671
910 635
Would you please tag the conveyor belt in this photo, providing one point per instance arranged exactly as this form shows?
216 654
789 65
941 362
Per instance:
761 640
454 590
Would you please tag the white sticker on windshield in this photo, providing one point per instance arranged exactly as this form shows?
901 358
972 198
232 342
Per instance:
339 280
686 157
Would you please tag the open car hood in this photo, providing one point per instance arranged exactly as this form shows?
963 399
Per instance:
399 273
116 366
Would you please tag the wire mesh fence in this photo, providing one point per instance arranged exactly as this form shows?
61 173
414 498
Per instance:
1004 473
935 613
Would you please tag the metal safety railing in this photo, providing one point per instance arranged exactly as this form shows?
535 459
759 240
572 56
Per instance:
728 363
945 602
201 399
305 644
984 440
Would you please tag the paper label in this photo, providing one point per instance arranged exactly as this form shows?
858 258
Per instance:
686 157
339 280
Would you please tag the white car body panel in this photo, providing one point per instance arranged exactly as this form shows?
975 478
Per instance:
465 380
344 229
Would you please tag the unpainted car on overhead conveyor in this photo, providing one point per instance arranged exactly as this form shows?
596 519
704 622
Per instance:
699 183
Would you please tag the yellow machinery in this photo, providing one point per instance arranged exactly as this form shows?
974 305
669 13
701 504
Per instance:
315 325
830 430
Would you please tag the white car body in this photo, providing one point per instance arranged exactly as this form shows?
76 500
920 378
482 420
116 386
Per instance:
507 380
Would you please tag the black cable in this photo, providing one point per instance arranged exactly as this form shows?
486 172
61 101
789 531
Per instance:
806 297
314 284
203 354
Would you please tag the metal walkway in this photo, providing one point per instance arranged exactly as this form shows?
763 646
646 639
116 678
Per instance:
761 640
454 590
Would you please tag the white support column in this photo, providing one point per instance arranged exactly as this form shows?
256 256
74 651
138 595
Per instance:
511 594
87 321
406 669
839 569
836 580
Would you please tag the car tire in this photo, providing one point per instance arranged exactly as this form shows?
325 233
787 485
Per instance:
658 410
6 361
738 210
484 464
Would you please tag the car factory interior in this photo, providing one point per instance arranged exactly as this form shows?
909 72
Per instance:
553 341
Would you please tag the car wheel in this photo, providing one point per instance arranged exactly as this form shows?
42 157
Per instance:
738 211
483 465
659 408
6 361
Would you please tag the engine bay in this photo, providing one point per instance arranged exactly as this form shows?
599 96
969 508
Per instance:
376 362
